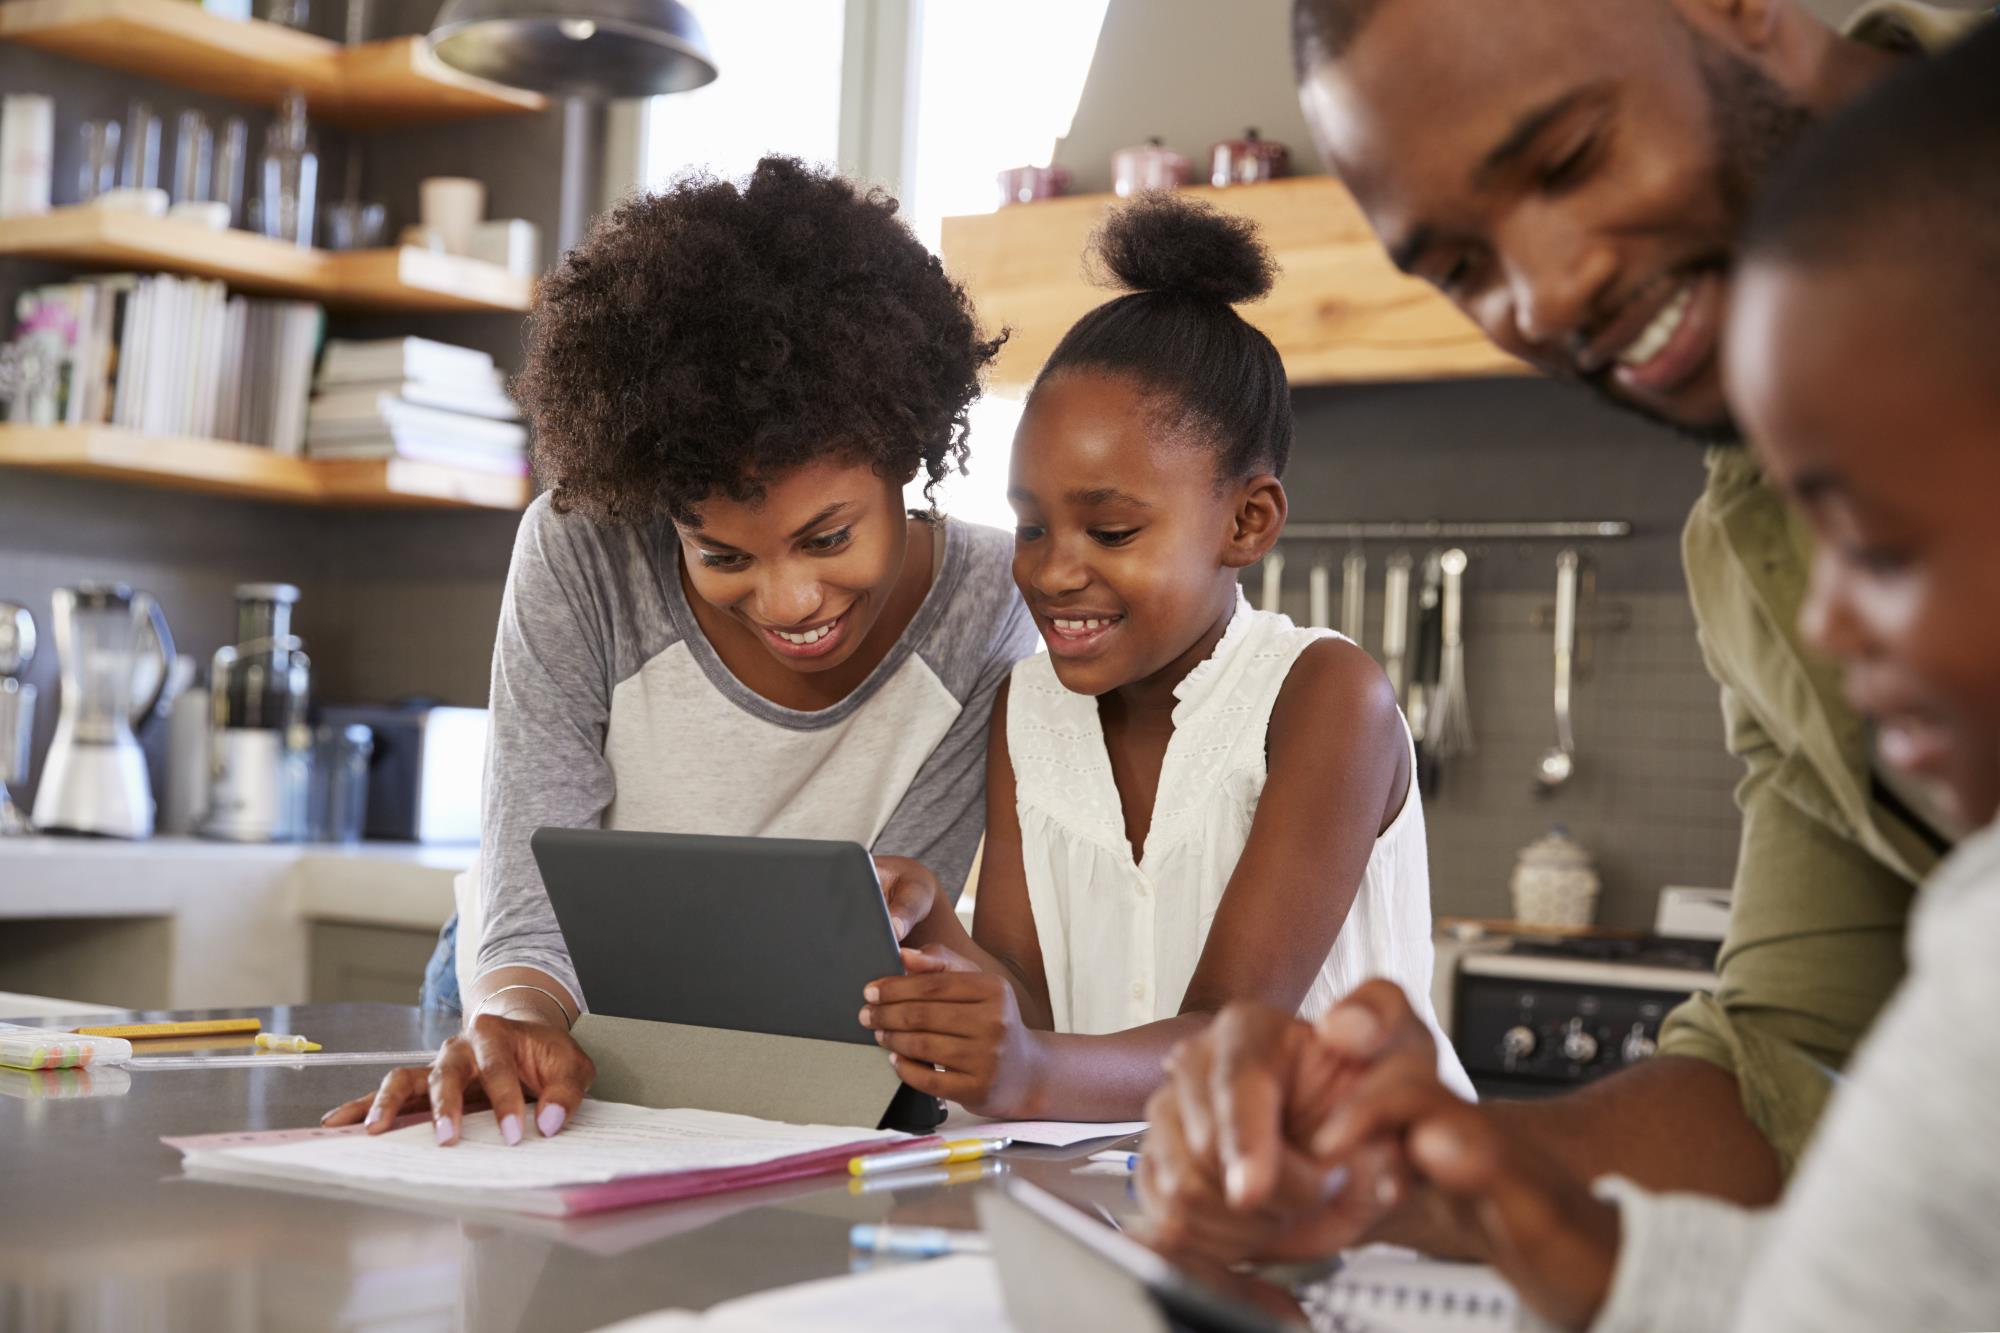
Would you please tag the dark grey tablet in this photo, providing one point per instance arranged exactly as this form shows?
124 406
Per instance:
771 935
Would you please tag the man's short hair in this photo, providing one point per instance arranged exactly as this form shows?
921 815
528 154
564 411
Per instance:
1322 30
1908 179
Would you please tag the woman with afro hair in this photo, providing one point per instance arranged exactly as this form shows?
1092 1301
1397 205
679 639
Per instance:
720 618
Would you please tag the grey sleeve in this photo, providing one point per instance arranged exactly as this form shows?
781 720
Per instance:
1890 1220
545 765
1682 1260
943 815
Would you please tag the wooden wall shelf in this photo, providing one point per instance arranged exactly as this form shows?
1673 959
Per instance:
390 82
242 471
406 279
1340 311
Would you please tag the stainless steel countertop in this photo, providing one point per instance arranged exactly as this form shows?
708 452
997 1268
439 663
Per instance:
99 1228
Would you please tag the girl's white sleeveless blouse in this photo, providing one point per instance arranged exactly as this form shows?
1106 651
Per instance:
1120 939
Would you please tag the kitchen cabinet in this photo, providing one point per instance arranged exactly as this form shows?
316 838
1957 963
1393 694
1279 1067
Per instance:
1340 310
179 923
382 964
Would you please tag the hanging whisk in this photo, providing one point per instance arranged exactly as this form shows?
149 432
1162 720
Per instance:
1449 729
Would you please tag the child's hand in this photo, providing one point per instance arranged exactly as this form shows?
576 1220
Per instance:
1538 1224
956 1032
909 889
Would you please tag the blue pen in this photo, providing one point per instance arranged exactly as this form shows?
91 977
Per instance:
1128 1161
914 1242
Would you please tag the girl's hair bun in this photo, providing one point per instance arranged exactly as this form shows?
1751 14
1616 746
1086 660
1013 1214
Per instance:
1163 242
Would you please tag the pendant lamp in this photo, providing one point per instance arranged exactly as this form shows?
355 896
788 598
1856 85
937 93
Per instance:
576 48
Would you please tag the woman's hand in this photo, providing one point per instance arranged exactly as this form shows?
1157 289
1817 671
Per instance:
497 1062
909 889
956 1032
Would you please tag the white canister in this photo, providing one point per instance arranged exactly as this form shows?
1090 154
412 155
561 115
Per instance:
452 206
184 782
27 153
1554 883
514 244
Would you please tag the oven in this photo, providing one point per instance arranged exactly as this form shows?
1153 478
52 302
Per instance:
1541 1015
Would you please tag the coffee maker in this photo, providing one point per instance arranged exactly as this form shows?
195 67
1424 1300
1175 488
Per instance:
113 649
17 710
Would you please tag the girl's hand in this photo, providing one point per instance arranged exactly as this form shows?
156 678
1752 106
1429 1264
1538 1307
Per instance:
909 889
956 1032
496 1062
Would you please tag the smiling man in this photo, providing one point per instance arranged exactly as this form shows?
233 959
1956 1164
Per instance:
1573 175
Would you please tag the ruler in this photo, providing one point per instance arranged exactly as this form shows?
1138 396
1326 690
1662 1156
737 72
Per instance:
294 1060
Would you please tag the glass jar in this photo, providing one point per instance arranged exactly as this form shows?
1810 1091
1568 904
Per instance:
260 746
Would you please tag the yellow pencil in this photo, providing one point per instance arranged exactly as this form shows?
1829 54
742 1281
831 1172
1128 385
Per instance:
203 1028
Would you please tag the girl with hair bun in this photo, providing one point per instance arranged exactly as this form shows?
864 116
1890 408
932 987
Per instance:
1189 802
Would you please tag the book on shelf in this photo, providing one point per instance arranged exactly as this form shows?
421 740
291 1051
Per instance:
440 453
373 361
403 430
369 400
170 356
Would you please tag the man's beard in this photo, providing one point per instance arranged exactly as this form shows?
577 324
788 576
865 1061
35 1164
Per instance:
1753 123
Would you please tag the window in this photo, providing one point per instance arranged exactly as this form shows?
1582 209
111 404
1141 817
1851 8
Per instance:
991 87
777 91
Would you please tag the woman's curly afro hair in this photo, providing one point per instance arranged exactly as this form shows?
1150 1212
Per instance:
709 338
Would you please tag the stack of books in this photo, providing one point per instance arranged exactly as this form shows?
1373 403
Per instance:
165 355
412 398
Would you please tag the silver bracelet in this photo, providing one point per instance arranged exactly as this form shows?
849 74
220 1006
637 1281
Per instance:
561 1008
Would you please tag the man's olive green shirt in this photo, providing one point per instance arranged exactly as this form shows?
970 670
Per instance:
1826 872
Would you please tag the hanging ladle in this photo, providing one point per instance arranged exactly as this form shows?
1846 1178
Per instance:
1559 762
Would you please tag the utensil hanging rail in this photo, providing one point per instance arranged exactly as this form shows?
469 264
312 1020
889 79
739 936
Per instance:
1609 529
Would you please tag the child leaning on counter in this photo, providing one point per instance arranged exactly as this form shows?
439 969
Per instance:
721 619
1188 802
1860 355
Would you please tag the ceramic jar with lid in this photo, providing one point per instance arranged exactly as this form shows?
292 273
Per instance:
1248 161
1554 882
1025 185
1150 166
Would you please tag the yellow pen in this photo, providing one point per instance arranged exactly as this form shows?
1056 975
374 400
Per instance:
960 1150
278 1041
958 1173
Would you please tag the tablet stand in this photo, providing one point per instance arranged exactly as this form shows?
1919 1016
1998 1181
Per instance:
797 1079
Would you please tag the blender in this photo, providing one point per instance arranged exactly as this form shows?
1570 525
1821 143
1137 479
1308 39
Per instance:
113 649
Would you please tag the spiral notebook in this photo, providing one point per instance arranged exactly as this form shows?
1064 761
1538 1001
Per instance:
1386 1290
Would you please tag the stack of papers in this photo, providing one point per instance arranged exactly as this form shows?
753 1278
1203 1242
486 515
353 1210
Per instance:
962 1124
412 398
609 1156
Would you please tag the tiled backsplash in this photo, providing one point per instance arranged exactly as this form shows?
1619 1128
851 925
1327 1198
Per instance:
1651 792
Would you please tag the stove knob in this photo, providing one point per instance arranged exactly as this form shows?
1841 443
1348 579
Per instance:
1579 1047
1518 1042
1637 1045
